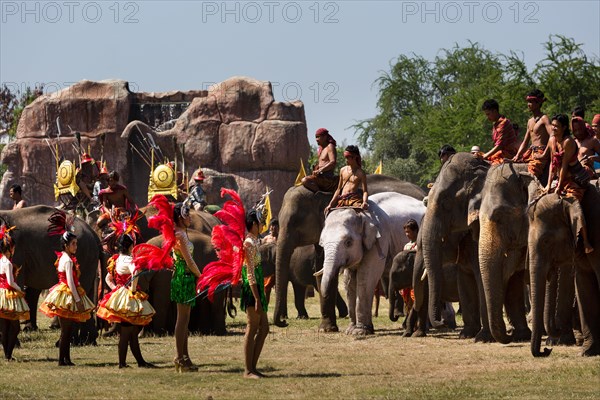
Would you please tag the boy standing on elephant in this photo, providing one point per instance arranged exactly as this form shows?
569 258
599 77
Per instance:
538 131
352 187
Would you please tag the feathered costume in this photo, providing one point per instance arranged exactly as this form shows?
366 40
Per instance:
62 298
126 303
12 299
228 240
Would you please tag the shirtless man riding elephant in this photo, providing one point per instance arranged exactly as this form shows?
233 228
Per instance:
323 178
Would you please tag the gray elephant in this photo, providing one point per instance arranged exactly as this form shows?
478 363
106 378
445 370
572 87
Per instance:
503 230
554 228
302 268
401 277
35 254
450 226
360 243
207 317
301 221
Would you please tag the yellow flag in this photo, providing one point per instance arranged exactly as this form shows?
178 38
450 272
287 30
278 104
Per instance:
267 210
301 174
379 168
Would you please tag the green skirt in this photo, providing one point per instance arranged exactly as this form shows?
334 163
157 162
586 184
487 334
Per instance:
246 296
183 284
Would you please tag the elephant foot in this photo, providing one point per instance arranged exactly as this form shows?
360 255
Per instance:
484 336
350 329
302 316
468 333
282 323
407 333
521 335
363 330
328 328
566 339
29 327
419 333
590 351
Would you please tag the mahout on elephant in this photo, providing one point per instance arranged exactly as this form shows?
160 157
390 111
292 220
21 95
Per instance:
302 268
449 232
554 244
35 255
301 221
360 243
401 277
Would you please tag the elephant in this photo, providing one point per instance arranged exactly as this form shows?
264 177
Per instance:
361 243
401 277
554 227
35 255
449 231
301 220
207 317
302 269
503 230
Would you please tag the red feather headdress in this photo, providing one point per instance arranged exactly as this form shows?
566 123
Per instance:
123 225
228 240
150 257
61 223
4 233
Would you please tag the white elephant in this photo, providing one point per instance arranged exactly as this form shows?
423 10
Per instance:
361 242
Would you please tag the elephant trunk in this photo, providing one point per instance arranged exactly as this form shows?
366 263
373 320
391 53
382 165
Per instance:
392 298
550 307
329 284
537 274
491 263
285 248
432 258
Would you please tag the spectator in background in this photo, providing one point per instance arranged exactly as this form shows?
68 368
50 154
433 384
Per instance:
15 194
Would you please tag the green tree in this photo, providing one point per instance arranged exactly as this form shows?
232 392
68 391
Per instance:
425 104
12 105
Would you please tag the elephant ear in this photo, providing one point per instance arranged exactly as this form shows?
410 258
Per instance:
574 215
370 231
473 215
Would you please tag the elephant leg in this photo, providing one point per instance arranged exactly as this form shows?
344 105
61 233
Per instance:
564 304
350 284
328 317
588 297
467 292
31 297
217 314
299 300
515 307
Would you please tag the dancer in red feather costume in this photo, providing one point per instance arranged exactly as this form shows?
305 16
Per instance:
239 257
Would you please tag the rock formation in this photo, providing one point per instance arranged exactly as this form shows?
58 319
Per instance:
236 128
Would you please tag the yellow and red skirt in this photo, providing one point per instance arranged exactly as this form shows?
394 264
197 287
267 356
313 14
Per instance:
13 305
60 303
123 305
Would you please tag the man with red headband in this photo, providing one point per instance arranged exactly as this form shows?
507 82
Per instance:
323 178
589 146
352 188
538 131
506 143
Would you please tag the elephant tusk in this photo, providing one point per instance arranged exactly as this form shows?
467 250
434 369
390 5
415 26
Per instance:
424 275
319 272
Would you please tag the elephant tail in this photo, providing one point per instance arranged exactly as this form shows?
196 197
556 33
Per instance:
231 309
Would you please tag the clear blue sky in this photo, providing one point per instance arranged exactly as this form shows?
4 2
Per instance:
327 53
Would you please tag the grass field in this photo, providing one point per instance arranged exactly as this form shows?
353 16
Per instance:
302 363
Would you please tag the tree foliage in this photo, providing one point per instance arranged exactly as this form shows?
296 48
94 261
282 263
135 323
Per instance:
425 104
12 105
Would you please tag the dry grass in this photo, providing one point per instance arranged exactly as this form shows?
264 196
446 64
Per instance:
302 363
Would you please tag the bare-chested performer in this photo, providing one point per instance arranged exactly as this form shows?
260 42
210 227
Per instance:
589 146
323 178
352 188
115 196
538 131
